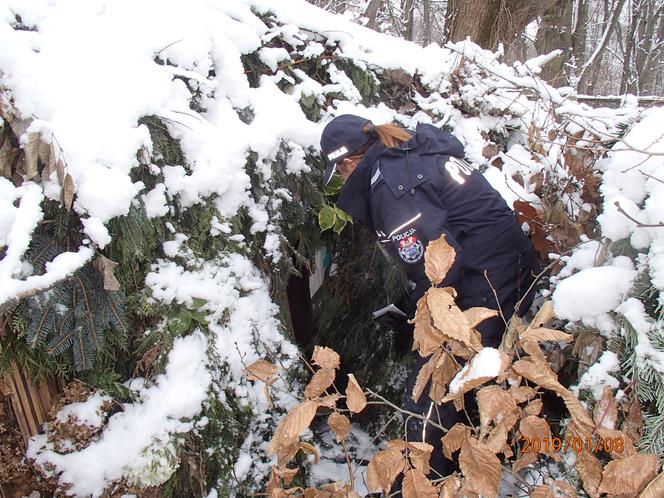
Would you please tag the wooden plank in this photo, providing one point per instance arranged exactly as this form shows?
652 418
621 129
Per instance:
26 407
19 413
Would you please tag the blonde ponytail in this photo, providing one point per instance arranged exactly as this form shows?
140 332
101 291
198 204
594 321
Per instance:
389 135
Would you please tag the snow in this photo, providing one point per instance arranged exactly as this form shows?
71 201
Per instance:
599 375
646 355
88 412
487 363
133 440
589 295
155 202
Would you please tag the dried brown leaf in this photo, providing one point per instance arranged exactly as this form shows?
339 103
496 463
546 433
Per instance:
68 192
450 487
588 347
425 337
420 454
274 488
310 449
514 328
286 452
32 155
340 425
590 470
496 404
544 334
521 394
536 353
449 319
438 259
106 267
466 490
608 440
544 314
296 421
445 370
605 412
286 474
268 397
542 491
453 439
475 316
566 488
383 469
261 370
632 426
320 381
355 398
497 440
329 401
424 375
397 444
325 357
416 485
458 349
629 475
655 488
548 380
480 467
536 429
534 407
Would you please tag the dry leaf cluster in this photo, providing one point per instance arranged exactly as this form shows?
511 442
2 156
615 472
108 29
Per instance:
34 160
510 411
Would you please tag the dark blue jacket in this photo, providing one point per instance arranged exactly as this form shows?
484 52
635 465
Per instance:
412 194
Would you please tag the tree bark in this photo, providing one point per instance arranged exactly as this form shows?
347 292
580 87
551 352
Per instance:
625 82
555 33
426 22
409 19
491 22
372 13
603 42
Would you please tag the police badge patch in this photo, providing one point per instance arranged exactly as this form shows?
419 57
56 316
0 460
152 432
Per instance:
411 250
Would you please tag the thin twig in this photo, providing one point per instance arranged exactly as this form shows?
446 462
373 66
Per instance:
638 223
650 176
384 401
169 45
495 295
351 474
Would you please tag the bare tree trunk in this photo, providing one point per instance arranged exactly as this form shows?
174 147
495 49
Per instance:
409 19
644 48
490 22
372 13
597 67
584 74
473 18
426 20
625 82
555 33
650 48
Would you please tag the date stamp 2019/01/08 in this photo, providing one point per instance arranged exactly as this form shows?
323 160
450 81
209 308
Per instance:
575 444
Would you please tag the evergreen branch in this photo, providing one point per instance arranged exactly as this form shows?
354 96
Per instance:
88 309
82 349
34 335
60 343
117 321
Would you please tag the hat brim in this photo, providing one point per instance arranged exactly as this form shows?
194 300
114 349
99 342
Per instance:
329 172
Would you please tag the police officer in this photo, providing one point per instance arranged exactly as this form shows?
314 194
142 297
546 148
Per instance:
411 187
